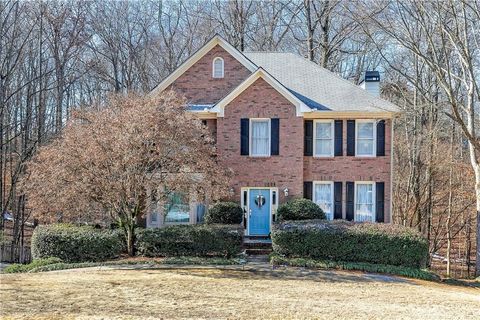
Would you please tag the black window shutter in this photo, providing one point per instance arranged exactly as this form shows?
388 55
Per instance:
350 200
275 136
308 139
350 137
381 138
380 201
338 138
244 138
337 196
307 190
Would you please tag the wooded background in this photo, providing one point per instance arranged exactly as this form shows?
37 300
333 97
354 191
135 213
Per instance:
58 56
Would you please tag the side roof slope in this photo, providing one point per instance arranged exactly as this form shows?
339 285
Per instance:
317 87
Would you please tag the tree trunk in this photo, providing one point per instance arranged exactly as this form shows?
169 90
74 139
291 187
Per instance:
130 240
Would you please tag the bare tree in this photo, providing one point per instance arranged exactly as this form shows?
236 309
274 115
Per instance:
111 157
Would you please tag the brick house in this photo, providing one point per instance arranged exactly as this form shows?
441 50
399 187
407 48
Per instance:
288 128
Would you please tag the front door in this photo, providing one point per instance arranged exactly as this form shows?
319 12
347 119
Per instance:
259 212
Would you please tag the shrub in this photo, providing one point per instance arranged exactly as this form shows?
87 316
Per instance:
75 244
190 240
300 209
15 268
224 213
353 242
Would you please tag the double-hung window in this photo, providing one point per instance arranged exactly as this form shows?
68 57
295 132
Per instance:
364 201
260 137
365 138
323 197
323 138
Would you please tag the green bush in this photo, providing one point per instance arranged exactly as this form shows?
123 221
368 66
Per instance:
75 243
16 268
190 240
353 242
224 213
300 209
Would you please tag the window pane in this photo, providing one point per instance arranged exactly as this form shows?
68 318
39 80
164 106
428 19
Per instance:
364 205
324 130
260 138
218 68
323 147
365 147
365 130
323 197
177 209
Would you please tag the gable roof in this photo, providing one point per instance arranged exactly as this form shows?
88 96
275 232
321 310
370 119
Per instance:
300 106
216 40
317 87
310 87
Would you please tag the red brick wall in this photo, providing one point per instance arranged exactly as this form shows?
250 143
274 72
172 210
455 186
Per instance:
260 100
198 85
353 168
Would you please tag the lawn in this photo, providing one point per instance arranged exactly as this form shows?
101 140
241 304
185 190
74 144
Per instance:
196 292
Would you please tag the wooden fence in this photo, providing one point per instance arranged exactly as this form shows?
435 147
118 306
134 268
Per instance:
17 254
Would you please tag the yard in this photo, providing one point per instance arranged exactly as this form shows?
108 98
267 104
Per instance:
170 293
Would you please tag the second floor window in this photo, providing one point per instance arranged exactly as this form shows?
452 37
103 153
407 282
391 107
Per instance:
323 138
260 137
218 65
365 144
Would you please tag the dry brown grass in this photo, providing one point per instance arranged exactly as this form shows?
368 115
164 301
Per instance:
201 293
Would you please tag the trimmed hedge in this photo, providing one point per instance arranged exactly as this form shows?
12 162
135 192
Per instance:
353 242
75 243
300 209
190 240
224 213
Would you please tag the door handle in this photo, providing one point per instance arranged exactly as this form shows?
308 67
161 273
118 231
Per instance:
249 212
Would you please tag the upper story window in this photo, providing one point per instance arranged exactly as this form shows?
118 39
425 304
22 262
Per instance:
260 137
323 136
365 138
218 65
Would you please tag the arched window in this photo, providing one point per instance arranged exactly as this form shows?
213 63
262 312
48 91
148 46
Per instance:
217 68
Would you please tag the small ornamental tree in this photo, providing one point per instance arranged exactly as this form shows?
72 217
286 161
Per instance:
110 157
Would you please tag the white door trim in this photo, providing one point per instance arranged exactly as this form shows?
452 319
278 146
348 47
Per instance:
246 206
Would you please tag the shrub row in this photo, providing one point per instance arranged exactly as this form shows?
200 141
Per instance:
354 242
75 244
190 240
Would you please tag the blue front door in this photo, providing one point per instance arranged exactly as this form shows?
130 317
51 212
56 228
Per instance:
259 214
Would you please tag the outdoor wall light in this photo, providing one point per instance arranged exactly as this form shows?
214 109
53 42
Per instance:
285 192
232 191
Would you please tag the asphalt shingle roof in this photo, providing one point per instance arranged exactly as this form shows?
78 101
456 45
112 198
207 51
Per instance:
317 87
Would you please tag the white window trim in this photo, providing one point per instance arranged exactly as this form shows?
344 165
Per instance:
250 137
374 154
315 155
332 194
374 209
213 68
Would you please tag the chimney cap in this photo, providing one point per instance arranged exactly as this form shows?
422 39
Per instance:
371 76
